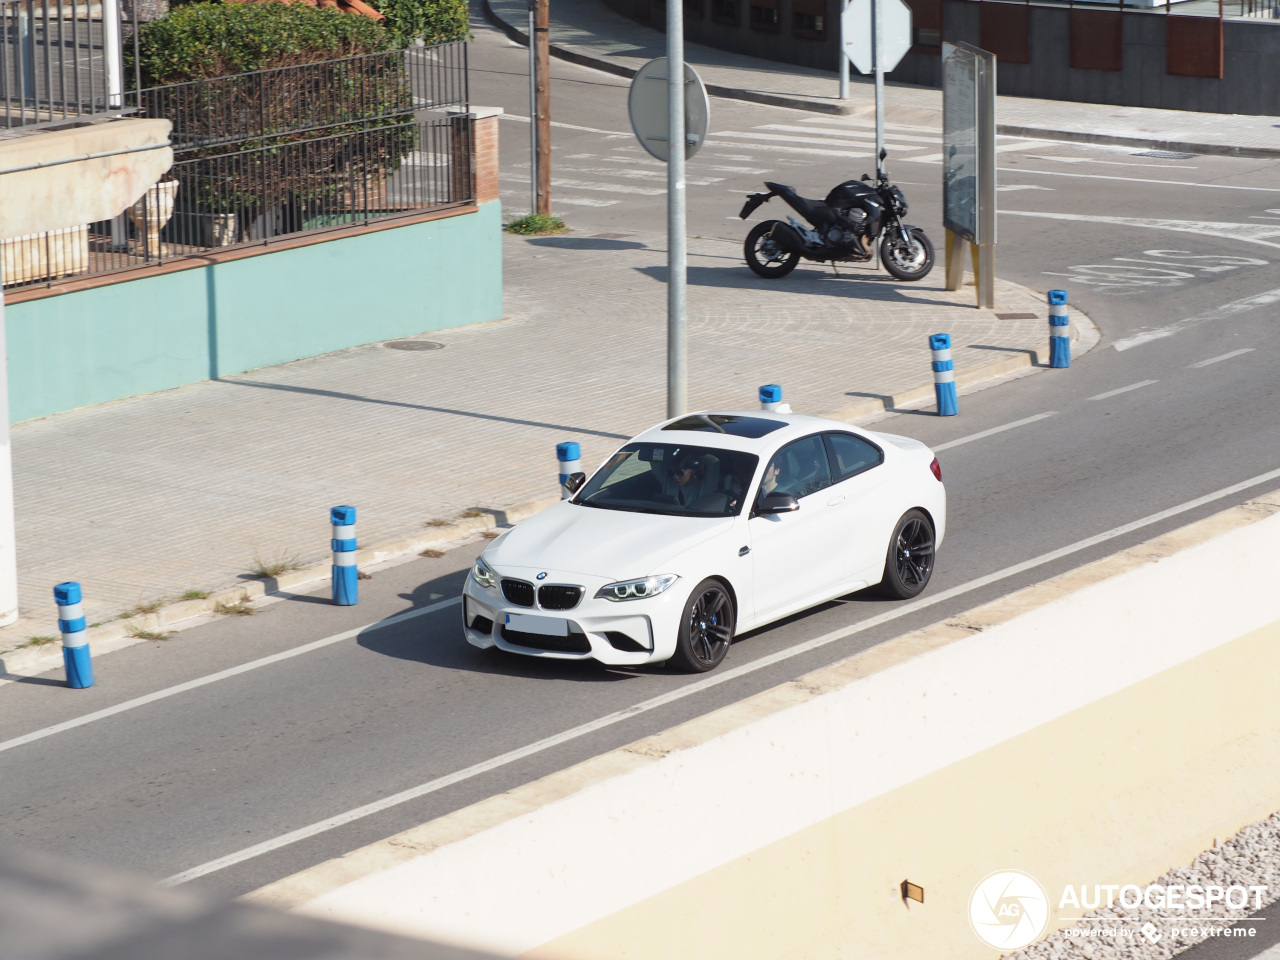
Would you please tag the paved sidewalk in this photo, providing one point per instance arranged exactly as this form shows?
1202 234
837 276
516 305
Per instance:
182 489
588 32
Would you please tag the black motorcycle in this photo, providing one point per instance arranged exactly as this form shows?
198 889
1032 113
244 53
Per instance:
845 227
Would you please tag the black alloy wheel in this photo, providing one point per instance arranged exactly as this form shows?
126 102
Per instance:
766 256
905 260
706 629
909 563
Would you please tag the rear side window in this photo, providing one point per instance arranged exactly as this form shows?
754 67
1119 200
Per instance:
851 455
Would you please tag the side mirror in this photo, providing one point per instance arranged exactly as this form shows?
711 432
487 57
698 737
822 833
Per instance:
575 482
778 503
866 176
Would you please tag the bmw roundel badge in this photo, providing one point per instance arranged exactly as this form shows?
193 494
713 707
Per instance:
542 576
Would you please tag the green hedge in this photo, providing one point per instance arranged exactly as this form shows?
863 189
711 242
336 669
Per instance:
436 21
201 40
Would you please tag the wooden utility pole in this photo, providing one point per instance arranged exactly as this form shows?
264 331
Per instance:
542 101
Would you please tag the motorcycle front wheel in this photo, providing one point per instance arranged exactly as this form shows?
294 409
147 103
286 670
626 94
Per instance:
765 256
907 261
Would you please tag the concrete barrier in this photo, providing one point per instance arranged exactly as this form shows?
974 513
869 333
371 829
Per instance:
1099 727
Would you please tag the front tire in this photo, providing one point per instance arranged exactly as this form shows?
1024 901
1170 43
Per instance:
706 628
765 256
907 261
909 562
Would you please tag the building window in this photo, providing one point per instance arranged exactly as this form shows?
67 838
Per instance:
764 15
808 19
693 9
725 11
924 37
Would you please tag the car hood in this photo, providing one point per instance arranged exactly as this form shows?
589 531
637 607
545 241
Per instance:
613 544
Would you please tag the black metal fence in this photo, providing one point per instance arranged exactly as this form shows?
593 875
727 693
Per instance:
61 59
281 153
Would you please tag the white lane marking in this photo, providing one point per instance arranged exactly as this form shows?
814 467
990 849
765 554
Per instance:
634 174
591 185
1243 232
1225 356
994 430
869 124
1271 953
584 202
1009 188
784 148
1112 163
857 134
568 126
1132 386
220 675
1227 310
706 683
1003 148
815 141
1146 180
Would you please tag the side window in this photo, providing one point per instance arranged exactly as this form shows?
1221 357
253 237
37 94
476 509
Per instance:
800 468
851 455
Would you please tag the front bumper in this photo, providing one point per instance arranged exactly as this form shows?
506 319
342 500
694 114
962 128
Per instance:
626 634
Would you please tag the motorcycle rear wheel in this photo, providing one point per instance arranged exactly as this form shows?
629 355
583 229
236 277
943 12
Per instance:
765 256
907 262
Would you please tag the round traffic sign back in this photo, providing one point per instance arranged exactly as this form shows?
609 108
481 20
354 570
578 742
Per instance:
647 105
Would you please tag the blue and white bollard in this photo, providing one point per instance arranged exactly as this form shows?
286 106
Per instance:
944 376
568 455
1059 330
75 642
771 399
346 577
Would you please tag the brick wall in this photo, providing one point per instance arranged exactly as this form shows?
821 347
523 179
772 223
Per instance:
484 133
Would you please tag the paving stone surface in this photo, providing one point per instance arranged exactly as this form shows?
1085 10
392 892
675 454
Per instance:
190 487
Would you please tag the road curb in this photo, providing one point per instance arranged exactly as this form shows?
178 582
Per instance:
844 110
181 614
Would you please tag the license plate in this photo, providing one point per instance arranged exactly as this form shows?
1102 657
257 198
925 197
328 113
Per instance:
544 626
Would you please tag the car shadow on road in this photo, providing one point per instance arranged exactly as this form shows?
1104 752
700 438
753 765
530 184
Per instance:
442 644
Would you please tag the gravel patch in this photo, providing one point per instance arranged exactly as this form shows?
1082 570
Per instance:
1249 859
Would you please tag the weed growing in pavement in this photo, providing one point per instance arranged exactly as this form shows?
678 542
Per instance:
37 642
195 595
361 575
140 609
491 534
437 522
535 225
432 552
268 569
149 634
470 514
240 609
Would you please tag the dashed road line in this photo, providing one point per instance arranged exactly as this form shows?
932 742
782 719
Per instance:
1115 393
1225 356
994 430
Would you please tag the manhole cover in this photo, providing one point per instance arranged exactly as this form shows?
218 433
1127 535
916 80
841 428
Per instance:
1165 155
1016 316
413 345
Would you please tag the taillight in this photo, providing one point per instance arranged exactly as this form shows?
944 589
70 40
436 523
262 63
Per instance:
936 467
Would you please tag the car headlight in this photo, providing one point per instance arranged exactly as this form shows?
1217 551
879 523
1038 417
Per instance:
483 575
636 589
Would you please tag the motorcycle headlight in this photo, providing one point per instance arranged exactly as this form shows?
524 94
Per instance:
483 575
636 589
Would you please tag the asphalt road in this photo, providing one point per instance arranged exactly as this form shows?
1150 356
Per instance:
213 780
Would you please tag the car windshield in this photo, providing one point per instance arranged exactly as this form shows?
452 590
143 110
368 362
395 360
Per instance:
671 479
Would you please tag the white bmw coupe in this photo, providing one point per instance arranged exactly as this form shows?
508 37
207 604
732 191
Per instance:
704 527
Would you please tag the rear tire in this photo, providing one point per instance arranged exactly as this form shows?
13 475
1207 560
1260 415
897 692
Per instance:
765 256
907 262
908 564
706 628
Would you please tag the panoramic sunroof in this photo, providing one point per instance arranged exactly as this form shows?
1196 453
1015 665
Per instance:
753 428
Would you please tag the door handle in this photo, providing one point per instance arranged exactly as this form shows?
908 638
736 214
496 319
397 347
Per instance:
744 551
835 500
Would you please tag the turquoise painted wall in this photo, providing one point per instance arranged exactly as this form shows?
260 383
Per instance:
136 337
